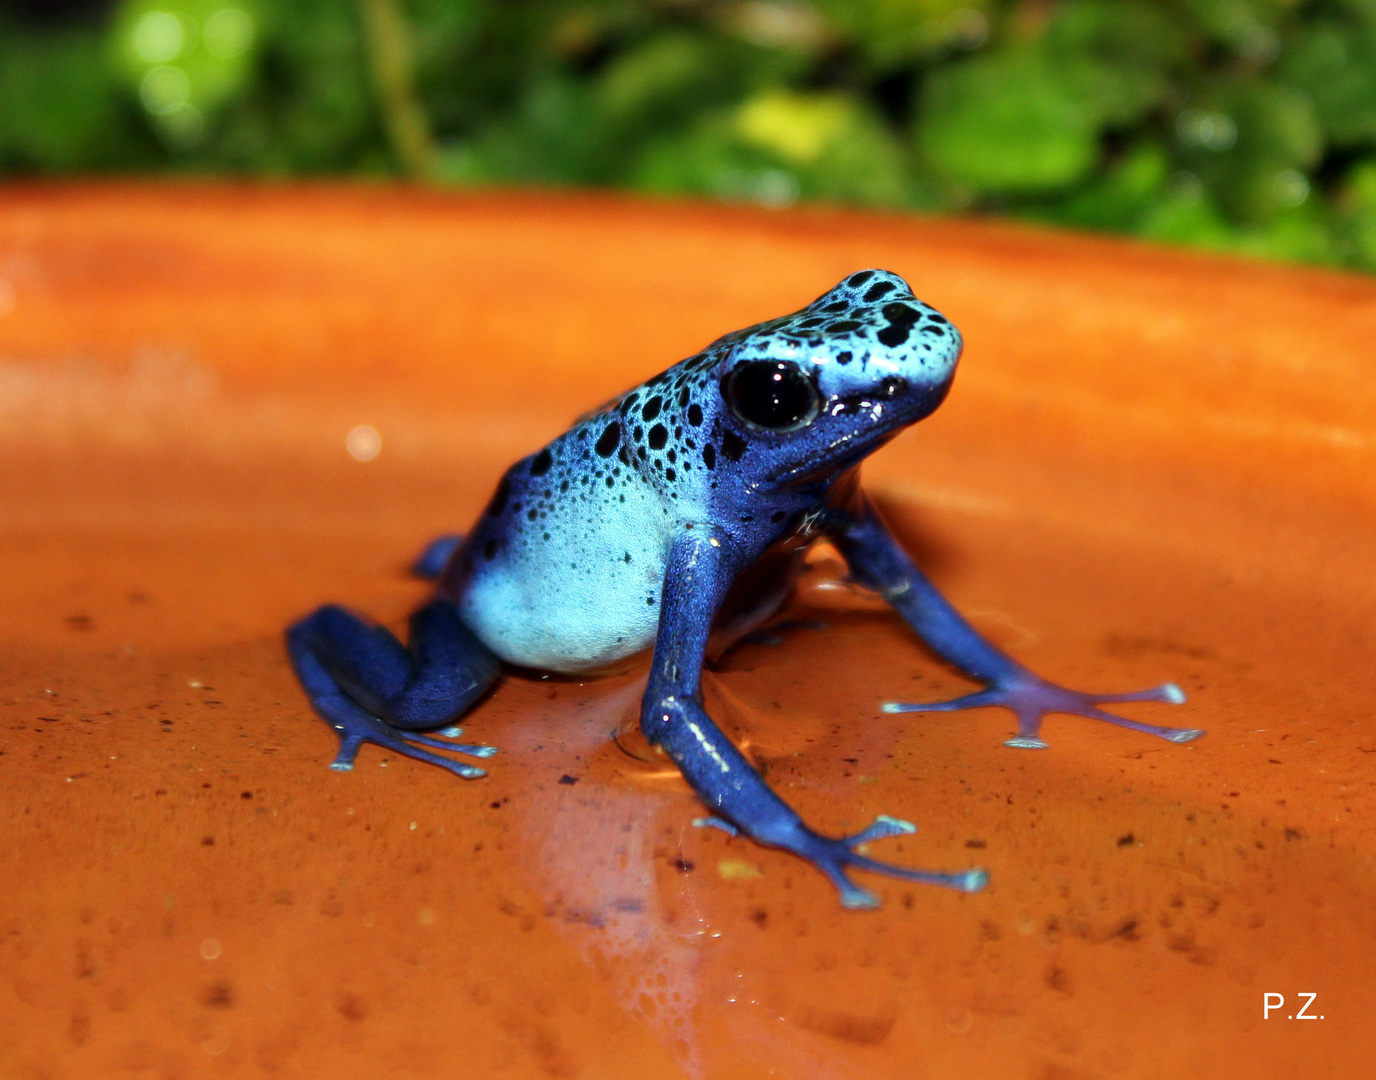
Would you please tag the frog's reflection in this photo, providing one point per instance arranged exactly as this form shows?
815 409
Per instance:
677 922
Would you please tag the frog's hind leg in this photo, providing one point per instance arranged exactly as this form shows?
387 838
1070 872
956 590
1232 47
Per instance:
369 688
431 562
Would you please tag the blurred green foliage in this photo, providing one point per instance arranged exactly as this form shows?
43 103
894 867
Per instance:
1243 125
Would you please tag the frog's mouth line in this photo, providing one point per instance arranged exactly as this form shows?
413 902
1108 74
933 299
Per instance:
836 457
847 450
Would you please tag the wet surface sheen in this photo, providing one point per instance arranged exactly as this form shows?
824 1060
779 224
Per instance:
1152 466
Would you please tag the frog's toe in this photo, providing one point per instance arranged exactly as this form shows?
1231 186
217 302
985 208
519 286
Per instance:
834 857
715 822
883 827
349 746
1087 708
976 700
853 897
1169 693
1026 742
354 731
447 743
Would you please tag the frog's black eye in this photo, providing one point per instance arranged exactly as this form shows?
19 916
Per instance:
771 394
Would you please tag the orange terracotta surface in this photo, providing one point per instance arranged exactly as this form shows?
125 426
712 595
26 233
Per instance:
1154 465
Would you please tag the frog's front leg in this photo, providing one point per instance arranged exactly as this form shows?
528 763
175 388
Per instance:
672 716
369 688
878 561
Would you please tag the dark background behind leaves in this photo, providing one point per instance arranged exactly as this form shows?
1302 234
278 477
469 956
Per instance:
1243 125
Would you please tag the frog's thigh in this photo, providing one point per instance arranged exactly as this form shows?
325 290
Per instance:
431 562
444 671
370 689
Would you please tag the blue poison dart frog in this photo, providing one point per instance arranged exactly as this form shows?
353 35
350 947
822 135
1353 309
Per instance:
678 516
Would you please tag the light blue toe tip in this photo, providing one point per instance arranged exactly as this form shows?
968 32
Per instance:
1173 694
859 900
1026 742
974 880
897 826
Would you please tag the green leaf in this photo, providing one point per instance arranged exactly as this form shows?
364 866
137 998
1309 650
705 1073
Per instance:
1115 55
1248 27
669 78
781 145
312 109
1006 122
1358 206
1335 65
1251 141
59 105
889 32
1122 195
1299 234
208 45
550 138
1186 216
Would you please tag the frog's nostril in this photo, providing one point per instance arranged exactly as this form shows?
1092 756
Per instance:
891 388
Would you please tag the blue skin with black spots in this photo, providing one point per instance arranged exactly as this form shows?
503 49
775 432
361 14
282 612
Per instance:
678 516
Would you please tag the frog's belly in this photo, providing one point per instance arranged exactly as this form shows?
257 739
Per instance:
569 613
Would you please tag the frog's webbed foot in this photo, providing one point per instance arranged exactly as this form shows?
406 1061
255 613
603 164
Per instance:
370 689
834 855
361 728
1031 699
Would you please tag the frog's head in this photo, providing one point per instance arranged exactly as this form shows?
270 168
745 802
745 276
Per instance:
812 393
